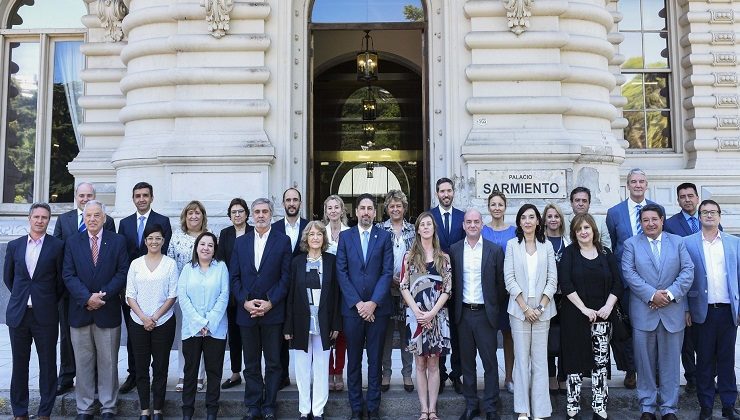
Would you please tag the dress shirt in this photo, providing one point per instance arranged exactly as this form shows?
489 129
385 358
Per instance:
688 217
360 230
293 231
332 248
531 273
33 249
203 298
259 246
442 213
150 289
472 262
632 206
714 256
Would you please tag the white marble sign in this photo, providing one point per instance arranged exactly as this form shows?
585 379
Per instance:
522 184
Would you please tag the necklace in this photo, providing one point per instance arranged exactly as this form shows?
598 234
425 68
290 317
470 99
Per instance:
313 260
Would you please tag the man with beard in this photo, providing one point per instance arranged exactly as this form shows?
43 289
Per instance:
365 272
292 225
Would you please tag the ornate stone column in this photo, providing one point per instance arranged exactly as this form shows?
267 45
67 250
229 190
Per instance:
195 104
543 93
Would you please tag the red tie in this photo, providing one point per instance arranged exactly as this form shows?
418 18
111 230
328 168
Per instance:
94 246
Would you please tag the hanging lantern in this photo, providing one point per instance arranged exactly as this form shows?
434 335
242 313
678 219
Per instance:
369 106
369 167
367 60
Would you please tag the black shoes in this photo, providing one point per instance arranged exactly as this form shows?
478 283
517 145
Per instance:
145 417
729 413
108 416
128 385
211 417
157 416
690 387
492 416
630 382
469 414
355 416
230 384
669 416
84 417
648 416
373 415
285 382
64 388
457 385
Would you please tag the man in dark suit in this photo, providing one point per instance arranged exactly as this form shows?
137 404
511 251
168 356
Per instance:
623 222
450 230
33 274
480 290
365 272
260 267
70 224
95 269
292 225
132 228
714 310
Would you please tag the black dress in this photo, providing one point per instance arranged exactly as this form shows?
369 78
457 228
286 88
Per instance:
593 280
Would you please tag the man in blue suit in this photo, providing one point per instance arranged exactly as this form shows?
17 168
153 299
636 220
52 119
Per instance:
259 267
132 228
659 272
95 269
33 274
364 272
70 224
714 306
623 222
450 230
292 225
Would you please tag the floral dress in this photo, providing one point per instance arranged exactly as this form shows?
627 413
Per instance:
426 289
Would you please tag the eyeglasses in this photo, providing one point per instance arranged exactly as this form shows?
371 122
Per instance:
155 239
709 212
237 212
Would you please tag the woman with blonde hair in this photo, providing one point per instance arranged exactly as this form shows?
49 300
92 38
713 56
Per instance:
553 223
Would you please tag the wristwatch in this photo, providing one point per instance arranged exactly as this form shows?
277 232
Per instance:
540 308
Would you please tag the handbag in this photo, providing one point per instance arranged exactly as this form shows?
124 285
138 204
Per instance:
621 325
553 340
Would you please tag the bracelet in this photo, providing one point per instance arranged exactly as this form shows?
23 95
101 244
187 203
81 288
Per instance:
527 310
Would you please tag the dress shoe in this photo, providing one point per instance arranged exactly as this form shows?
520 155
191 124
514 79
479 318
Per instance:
64 388
145 417
157 416
318 418
457 384
373 415
630 380
470 414
108 416
285 382
128 385
669 416
43 417
690 387
187 417
729 413
211 417
408 385
20 417
84 417
303 418
648 416
228 383
385 384
705 413
355 416
492 416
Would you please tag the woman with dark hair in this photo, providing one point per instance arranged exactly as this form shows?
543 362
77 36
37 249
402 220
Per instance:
203 293
426 284
151 290
238 213
531 278
590 278
312 318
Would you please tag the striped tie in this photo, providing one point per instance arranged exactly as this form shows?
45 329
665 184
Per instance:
95 250
637 218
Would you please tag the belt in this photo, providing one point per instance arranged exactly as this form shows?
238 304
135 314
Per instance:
474 306
718 305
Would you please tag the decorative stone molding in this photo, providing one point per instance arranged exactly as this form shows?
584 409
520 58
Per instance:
724 59
728 123
725 79
518 12
111 14
726 101
723 16
723 38
217 16
728 144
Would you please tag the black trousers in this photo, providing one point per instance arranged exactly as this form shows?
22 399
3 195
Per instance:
258 341
152 347
66 352
21 338
476 333
129 348
235 338
688 354
455 366
212 350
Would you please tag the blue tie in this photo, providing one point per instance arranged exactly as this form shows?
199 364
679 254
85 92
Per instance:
447 222
637 218
82 226
694 225
365 236
140 229
656 251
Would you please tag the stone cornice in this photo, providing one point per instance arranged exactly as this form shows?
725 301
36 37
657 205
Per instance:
111 14
218 16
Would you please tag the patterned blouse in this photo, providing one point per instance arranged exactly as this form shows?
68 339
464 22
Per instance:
181 248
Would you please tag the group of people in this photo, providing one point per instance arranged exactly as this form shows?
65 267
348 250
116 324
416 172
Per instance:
655 291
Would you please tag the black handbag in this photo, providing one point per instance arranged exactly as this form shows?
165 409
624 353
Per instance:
621 325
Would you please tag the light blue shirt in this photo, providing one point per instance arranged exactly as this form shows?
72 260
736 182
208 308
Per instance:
203 298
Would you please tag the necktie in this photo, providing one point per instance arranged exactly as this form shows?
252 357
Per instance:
447 222
656 250
637 218
94 247
694 225
365 236
82 226
140 229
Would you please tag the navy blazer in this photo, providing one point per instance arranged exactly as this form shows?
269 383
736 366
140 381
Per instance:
67 226
619 223
270 282
279 226
82 278
45 287
128 227
456 234
678 225
360 280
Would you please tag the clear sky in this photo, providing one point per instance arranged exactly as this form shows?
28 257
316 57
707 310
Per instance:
346 11
52 14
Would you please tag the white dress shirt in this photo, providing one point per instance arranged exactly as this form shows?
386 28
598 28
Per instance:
293 231
472 260
632 206
442 213
33 250
332 248
714 258
531 273
259 247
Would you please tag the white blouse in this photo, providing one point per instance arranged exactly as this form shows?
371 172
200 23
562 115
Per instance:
531 272
332 249
150 289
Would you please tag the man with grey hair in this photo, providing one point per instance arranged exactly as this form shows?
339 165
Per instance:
259 269
623 222
70 224
95 268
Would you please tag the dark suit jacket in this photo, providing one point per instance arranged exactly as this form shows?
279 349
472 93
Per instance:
67 226
45 287
457 233
362 281
678 225
492 279
279 226
128 228
297 312
270 282
82 278
619 223
226 240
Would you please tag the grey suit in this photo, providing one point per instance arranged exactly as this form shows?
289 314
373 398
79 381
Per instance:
657 330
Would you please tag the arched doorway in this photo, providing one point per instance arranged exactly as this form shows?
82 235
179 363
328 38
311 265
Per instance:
352 151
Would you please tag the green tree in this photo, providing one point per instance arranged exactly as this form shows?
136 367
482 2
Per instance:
413 13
